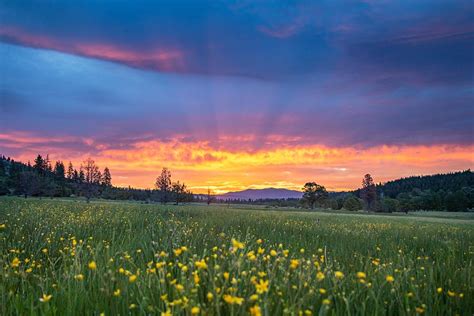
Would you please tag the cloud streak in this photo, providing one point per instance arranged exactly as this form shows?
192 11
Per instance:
159 59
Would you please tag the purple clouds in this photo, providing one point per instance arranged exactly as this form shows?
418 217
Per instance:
356 73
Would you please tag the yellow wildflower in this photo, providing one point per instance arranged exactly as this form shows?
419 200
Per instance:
294 263
419 310
92 265
196 277
15 262
255 311
237 244
195 310
229 299
210 296
201 264
262 286
132 278
361 275
320 276
339 274
79 277
389 278
45 298
160 265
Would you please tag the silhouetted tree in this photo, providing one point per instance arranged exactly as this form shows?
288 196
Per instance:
39 165
313 193
91 172
179 192
70 171
59 170
47 164
81 177
106 178
163 183
368 192
209 197
91 175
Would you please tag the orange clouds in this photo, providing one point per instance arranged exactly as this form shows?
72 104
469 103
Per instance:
202 165
337 168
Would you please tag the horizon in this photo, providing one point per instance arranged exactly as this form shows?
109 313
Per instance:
234 95
205 192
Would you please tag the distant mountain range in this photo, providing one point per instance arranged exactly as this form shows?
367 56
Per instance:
449 182
255 194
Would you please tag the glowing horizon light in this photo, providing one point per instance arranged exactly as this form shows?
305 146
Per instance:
201 166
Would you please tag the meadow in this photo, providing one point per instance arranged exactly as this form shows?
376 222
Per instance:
108 258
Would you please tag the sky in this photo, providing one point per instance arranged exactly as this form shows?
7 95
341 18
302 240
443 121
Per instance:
236 94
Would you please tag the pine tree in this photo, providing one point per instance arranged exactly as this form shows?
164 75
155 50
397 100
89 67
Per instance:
70 171
163 183
106 178
368 192
39 165
59 170
47 164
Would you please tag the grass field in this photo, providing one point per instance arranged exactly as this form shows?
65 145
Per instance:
110 258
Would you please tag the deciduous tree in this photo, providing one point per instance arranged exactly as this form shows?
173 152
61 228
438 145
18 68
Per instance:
314 193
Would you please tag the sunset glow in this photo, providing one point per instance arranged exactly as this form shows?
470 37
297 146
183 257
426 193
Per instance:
226 169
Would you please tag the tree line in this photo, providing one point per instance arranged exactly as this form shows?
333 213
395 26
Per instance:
450 192
47 179
441 192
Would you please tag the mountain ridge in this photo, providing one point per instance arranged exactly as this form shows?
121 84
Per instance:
266 193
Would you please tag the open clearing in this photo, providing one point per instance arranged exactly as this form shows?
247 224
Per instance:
67 257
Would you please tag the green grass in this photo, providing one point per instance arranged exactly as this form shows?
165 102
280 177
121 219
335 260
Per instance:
422 252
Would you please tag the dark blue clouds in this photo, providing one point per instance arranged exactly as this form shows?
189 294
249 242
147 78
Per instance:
265 39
